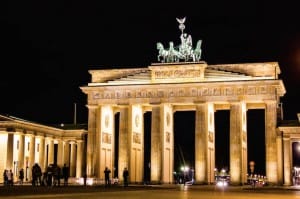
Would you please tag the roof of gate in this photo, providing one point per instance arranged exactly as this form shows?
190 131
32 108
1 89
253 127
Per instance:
212 73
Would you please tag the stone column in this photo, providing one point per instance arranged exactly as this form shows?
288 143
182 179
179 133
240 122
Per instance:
66 155
136 144
92 115
31 154
10 153
79 158
167 143
21 150
271 144
123 160
104 141
73 160
287 161
156 146
238 154
204 144
50 151
42 153
60 153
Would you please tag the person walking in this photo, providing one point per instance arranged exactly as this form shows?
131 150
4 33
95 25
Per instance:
21 176
106 175
125 177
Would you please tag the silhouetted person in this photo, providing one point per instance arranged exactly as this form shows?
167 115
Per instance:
21 175
125 177
106 175
65 172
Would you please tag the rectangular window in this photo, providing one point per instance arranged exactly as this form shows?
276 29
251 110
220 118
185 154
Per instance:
18 144
28 146
38 147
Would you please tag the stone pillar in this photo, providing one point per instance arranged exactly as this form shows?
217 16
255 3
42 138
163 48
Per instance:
73 160
271 144
42 153
79 158
156 146
287 161
238 143
31 154
50 151
123 160
136 144
21 150
60 153
91 140
66 155
204 144
105 141
167 143
279 141
10 153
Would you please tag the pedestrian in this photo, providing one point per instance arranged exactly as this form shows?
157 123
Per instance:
125 177
5 177
106 175
10 178
21 175
65 172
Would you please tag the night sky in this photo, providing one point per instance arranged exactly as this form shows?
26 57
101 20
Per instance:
48 48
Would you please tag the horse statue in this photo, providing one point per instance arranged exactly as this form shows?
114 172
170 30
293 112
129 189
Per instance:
162 53
197 50
174 55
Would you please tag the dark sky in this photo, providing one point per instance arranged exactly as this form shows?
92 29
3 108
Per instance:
47 48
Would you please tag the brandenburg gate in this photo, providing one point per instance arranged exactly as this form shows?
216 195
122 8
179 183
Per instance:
165 88
180 82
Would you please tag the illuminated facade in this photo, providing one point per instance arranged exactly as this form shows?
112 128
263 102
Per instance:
24 143
166 88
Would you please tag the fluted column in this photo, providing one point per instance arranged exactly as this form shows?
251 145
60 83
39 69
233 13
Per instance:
42 155
21 150
104 141
79 158
271 144
73 159
10 152
287 161
167 143
238 143
91 140
156 146
136 143
123 160
60 153
204 143
32 151
66 155
50 151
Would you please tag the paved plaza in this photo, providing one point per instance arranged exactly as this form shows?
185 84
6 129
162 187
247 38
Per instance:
154 191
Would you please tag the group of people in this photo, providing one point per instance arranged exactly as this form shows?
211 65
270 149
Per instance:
8 177
107 179
51 176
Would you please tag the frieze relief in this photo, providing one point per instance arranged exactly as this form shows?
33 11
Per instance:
106 138
136 138
184 92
